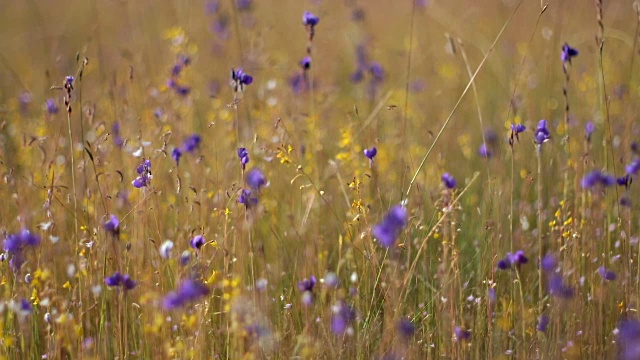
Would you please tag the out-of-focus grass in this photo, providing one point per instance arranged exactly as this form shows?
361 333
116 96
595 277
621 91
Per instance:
323 196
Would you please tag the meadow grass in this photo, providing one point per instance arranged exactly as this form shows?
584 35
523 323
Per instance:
197 180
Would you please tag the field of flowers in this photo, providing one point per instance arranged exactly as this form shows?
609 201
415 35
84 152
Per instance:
321 179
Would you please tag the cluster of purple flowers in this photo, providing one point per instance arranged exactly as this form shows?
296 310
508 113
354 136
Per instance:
597 178
243 154
512 260
176 70
255 180
15 244
144 175
306 287
190 144
189 291
118 279
389 229
607 274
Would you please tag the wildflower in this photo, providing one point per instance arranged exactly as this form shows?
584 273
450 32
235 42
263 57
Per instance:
371 153
331 280
548 263
448 181
239 79
624 180
68 82
310 20
26 306
557 287
112 226
185 257
192 142
512 260
516 129
633 167
343 316
306 287
182 90
597 177
388 230
243 154
542 133
197 242
484 151
606 274
255 179
625 201
491 295
568 53
543 322
176 154
377 72
189 291
462 334
589 128
51 106
305 63
166 248
243 5
117 139
113 280
247 199
406 328
28 238
629 339
144 174
128 283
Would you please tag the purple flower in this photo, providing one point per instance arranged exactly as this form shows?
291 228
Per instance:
516 129
29 239
595 178
255 179
128 283
343 316
308 19
26 306
246 199
484 151
557 287
377 72
12 244
629 339
624 180
176 69
305 63
491 295
243 5
307 284
462 334
543 322
511 260
176 154
117 139
606 274
239 79
197 242
448 181
243 154
68 81
182 90
548 263
406 328
542 133
389 229
191 143
112 226
633 167
371 153
589 128
568 53
144 174
51 106
189 291
113 280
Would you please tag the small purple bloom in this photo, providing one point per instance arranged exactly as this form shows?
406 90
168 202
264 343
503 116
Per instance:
117 139
589 128
51 106
377 72
491 295
197 242
255 179
548 263
543 322
516 129
557 287
68 81
568 53
247 199
462 334
511 260
176 154
634 167
113 280
29 239
243 154
448 181
182 90
371 153
606 274
406 328
113 225
542 133
624 180
308 19
307 284
176 69
191 143
12 244
484 151
629 339
243 5
343 316
144 172
595 178
26 306
128 283
189 291
388 230
305 63
239 79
